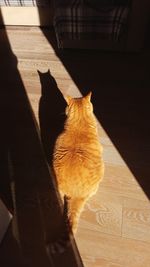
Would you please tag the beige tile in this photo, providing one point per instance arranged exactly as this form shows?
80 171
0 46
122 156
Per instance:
103 213
136 220
120 181
112 250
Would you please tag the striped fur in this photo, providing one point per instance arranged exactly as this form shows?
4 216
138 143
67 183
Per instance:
77 158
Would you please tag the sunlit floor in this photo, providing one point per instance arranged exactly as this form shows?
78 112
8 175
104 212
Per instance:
114 229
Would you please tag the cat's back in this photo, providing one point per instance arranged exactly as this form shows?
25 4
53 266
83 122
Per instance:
77 151
78 167
77 158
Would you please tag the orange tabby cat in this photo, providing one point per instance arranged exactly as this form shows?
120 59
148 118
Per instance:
77 159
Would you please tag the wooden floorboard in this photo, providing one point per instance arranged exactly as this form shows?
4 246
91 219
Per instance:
115 225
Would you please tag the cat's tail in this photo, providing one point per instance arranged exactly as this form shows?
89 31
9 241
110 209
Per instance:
60 245
75 207
72 210
64 240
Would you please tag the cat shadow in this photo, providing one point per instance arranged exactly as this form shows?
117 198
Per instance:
51 112
51 119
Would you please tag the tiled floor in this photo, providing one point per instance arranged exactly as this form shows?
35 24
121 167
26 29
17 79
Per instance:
114 229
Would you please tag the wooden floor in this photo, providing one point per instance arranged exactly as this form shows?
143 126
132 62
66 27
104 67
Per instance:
114 229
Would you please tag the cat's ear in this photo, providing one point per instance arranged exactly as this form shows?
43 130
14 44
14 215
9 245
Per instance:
68 99
88 96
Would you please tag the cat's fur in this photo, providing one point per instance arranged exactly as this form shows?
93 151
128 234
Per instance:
77 158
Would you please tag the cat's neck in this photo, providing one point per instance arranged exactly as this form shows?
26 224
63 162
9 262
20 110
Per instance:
81 124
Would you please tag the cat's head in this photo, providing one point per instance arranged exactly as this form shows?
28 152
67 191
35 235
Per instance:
79 105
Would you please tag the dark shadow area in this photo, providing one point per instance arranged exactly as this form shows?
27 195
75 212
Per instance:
21 168
120 83
51 112
26 185
10 252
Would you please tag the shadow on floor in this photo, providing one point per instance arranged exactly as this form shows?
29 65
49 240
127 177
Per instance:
26 186
120 83
51 112
20 175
